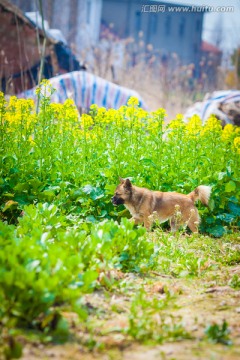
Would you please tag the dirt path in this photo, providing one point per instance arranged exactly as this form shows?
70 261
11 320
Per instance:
197 302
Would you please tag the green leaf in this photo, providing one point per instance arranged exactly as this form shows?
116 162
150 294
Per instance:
23 198
61 333
91 219
8 195
87 189
230 186
228 218
110 188
47 195
14 351
234 208
221 175
20 187
211 204
148 162
94 192
88 280
10 205
217 231
124 256
210 220
35 183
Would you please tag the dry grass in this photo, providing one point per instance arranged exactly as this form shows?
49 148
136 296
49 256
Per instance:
161 84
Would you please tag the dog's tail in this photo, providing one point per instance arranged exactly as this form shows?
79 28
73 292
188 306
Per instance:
201 193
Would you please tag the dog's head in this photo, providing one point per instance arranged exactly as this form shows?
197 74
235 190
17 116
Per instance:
122 193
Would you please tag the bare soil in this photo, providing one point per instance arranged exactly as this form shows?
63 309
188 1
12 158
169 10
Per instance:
200 302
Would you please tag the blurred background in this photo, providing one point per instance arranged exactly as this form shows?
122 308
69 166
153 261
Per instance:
171 53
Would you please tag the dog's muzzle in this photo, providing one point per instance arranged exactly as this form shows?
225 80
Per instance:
117 201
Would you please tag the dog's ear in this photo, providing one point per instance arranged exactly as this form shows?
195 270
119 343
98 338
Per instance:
121 180
128 184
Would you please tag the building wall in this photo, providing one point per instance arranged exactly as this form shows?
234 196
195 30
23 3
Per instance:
57 21
79 20
169 32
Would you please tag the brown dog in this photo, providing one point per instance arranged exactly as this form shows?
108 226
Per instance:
146 205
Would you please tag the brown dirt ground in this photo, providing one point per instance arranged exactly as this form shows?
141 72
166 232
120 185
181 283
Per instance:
200 302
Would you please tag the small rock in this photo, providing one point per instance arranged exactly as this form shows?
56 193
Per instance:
223 303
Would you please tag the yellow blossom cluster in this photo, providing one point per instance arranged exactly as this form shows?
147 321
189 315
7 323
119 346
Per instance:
65 116
230 132
2 101
19 116
45 90
177 123
212 125
236 144
154 122
86 121
19 113
194 126
133 101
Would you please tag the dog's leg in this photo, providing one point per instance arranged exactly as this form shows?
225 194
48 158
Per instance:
140 218
193 226
137 219
194 220
147 222
174 224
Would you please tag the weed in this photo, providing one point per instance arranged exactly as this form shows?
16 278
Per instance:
148 321
218 333
54 156
234 282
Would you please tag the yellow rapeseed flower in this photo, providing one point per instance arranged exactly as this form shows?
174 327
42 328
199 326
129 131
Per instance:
109 116
2 96
57 108
133 101
99 116
101 111
31 120
152 126
93 110
94 107
236 144
138 123
45 88
228 133
159 113
19 112
12 103
86 120
212 125
119 120
130 112
194 125
142 114
2 101
31 140
70 111
177 123
237 131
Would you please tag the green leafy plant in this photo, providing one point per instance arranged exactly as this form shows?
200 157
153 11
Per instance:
149 322
57 157
218 333
234 282
61 237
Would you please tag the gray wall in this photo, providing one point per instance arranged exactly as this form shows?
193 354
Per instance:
169 32
79 20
